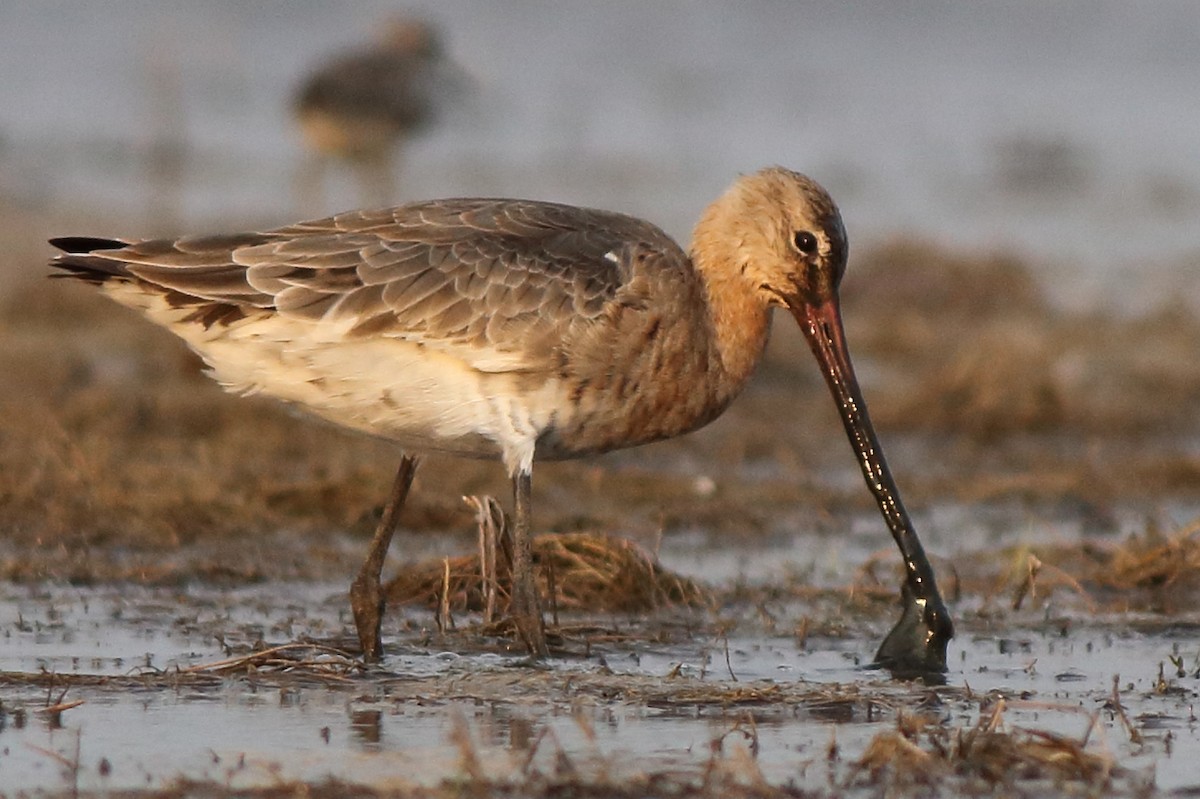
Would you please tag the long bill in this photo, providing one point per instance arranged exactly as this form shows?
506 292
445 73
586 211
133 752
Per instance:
918 642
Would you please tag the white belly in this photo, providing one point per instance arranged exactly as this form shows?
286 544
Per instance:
423 398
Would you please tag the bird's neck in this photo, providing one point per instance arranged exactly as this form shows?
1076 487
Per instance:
741 321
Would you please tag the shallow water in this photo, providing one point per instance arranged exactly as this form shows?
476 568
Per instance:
404 723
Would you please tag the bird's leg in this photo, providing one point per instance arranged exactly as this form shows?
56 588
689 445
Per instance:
366 592
309 185
526 611
376 175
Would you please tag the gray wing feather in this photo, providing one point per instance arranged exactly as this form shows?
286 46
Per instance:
499 275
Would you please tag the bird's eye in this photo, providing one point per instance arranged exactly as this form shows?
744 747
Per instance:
805 242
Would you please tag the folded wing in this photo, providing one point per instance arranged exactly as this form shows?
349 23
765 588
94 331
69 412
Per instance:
501 279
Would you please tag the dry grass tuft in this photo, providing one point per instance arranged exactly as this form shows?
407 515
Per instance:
1154 560
1152 572
1000 757
576 571
981 758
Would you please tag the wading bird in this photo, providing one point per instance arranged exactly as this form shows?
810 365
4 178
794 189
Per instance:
522 331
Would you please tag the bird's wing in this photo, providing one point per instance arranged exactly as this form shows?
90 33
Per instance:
497 281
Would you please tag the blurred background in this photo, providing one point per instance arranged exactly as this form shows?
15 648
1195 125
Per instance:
1068 133
1020 182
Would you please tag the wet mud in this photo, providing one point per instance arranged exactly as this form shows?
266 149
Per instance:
160 691
174 564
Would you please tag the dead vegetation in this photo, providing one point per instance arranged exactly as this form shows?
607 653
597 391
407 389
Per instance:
919 754
981 759
585 572
922 753
1151 571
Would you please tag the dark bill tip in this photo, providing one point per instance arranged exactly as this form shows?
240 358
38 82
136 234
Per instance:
915 649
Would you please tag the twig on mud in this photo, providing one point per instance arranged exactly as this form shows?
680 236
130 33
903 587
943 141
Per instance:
1115 703
710 694
339 661
489 518
59 707
1028 587
1093 725
997 718
444 621
552 587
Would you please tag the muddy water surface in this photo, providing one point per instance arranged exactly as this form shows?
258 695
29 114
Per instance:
144 701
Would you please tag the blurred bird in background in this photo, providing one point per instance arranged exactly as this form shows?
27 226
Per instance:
360 107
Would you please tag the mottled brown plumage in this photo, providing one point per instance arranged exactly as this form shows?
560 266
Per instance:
509 329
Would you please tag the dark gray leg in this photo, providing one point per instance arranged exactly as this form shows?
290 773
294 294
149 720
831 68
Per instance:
366 592
526 611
